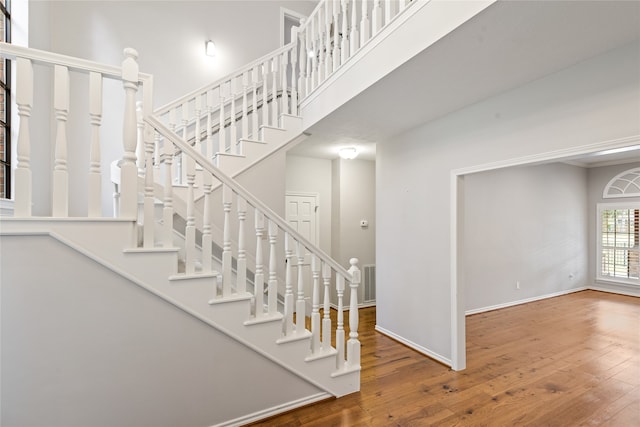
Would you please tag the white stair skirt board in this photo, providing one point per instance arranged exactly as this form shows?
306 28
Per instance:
103 241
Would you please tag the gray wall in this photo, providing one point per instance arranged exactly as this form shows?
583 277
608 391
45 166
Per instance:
598 178
82 346
594 101
526 225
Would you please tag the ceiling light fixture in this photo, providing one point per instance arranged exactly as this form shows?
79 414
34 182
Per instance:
348 153
210 48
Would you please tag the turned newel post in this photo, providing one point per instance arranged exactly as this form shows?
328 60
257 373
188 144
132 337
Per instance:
129 172
24 99
353 345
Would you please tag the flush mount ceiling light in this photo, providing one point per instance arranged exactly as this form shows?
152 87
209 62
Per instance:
210 48
348 153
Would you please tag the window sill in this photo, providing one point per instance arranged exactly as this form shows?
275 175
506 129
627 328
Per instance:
619 282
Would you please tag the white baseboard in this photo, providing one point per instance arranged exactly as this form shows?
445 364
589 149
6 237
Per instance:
628 292
279 409
414 346
523 301
346 307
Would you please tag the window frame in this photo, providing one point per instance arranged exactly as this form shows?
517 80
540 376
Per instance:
601 207
5 126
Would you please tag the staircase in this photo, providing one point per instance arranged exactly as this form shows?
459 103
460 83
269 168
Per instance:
237 265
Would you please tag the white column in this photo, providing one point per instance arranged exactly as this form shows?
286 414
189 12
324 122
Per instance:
128 171
24 99
60 194
95 174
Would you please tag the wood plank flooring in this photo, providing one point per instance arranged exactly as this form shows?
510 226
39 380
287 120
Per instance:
572 360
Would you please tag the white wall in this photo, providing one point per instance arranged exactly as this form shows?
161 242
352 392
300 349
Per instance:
92 349
598 178
526 225
593 101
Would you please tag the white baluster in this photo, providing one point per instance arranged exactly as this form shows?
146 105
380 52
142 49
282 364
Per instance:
321 49
222 144
315 53
274 99
309 60
95 174
182 160
326 310
149 196
315 312
353 345
245 106
403 4
328 62
354 37
60 172
265 94
302 46
190 229
294 77
167 210
207 186
376 18
24 99
272 301
364 24
344 47
241 267
128 171
388 4
284 97
254 103
210 151
198 125
259 276
233 129
173 126
287 323
300 303
337 35
227 196
340 326
140 148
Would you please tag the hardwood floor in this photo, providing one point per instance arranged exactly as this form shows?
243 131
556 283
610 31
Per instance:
572 360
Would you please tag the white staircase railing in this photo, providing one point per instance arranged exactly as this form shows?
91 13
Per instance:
63 67
267 225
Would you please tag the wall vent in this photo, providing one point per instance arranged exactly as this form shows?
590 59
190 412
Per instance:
369 283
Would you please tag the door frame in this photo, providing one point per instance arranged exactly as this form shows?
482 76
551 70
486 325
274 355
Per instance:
456 234
284 14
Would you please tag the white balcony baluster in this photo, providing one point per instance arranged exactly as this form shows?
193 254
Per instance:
95 175
326 309
149 196
222 143
254 103
376 18
364 25
294 76
24 99
354 37
190 229
259 275
265 94
274 91
233 129
300 303
227 200
340 326
207 186
315 312
60 196
287 323
128 171
284 97
167 210
245 106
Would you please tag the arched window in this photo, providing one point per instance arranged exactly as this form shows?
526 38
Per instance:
619 230
626 184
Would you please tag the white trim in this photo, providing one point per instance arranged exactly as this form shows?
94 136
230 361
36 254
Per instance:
610 185
457 232
6 207
630 292
599 208
288 13
414 346
275 410
524 301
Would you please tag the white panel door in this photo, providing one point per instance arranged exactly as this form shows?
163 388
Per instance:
301 214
